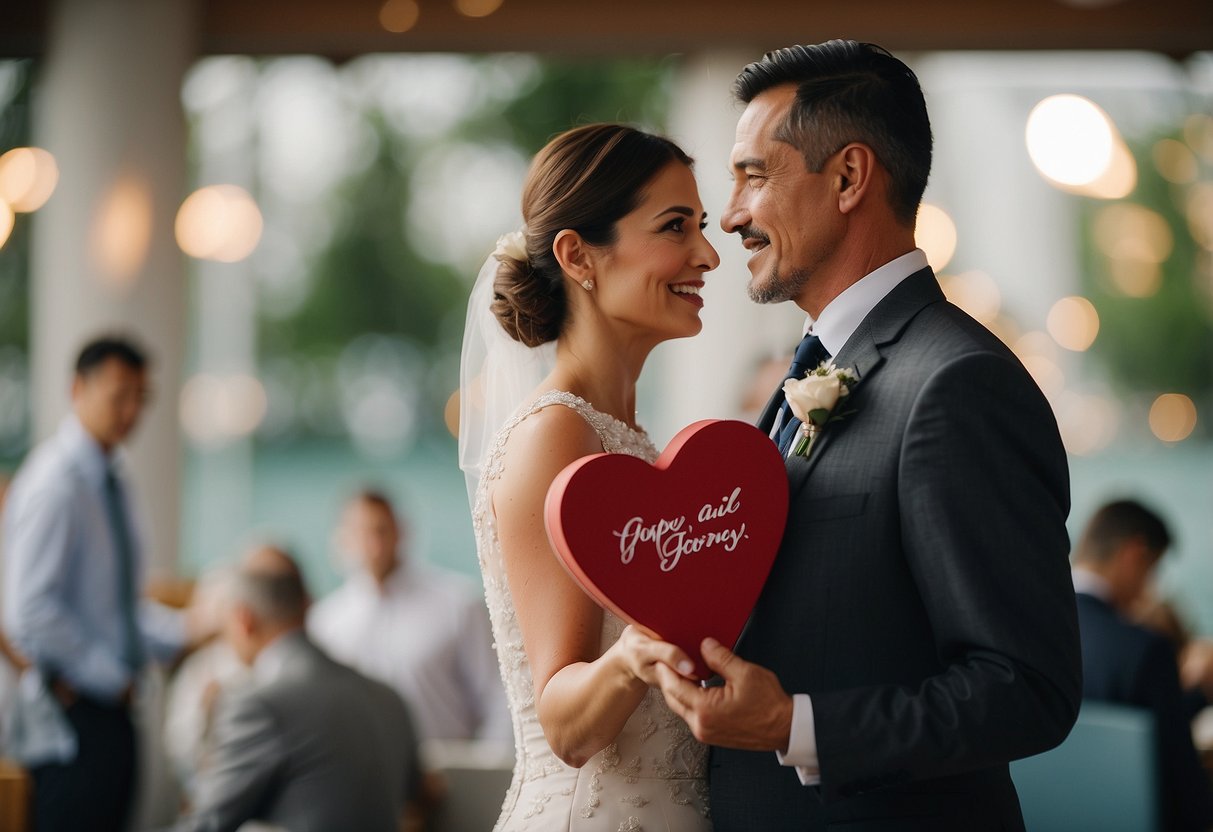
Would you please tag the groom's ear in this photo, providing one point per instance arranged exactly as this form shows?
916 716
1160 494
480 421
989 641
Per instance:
573 255
854 167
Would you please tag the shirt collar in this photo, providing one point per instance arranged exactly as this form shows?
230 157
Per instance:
396 582
1088 583
843 315
273 656
85 450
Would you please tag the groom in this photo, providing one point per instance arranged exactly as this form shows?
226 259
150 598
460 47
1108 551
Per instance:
918 630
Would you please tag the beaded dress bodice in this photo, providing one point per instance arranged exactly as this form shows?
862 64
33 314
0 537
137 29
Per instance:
653 777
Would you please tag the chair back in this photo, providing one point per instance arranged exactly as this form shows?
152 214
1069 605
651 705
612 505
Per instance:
1102 777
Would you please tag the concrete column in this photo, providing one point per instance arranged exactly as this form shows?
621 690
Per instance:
707 377
104 255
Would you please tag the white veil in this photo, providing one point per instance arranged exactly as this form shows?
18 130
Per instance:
496 375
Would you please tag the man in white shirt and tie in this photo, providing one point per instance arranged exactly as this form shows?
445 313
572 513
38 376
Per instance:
73 568
422 631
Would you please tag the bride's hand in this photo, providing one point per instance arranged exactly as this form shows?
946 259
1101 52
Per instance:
640 650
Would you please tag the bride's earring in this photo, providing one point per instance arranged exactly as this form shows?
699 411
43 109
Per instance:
587 284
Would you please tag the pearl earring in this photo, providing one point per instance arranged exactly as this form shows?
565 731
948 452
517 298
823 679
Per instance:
587 284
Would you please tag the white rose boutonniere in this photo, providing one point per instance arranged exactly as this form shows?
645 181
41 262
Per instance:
813 400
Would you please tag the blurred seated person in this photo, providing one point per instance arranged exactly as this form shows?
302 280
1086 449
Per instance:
1126 663
422 631
195 685
308 743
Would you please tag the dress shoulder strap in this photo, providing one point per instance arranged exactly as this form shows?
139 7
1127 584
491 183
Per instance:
600 422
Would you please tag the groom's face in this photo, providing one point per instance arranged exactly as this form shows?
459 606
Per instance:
785 214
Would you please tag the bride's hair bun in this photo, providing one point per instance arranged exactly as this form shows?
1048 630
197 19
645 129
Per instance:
584 180
530 309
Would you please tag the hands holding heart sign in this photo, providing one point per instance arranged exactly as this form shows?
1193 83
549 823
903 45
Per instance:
681 547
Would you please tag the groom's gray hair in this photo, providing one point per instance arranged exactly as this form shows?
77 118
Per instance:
846 92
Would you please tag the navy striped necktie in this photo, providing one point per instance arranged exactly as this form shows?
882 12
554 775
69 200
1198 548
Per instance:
809 354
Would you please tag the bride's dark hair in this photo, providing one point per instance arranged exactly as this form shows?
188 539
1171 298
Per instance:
584 180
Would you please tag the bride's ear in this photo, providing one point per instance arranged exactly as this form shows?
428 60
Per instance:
574 256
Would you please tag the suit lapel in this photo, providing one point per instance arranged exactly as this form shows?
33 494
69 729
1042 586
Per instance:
863 353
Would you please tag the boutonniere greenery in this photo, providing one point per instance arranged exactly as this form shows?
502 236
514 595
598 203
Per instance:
815 401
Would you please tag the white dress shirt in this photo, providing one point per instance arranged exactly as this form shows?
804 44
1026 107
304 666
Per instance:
835 326
426 636
61 593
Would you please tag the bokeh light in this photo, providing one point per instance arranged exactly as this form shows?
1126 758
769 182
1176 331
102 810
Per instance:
975 292
1136 241
6 222
399 15
450 414
1172 417
1119 178
28 176
1199 209
477 8
935 234
1088 423
1198 134
219 222
216 409
122 231
1175 162
1073 323
1070 140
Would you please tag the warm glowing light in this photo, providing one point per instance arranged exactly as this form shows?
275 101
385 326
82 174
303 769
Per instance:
1047 375
1035 343
1073 323
28 176
975 292
935 234
1198 133
1070 140
1172 417
219 222
215 409
1087 423
477 8
1200 214
450 414
1176 162
1118 180
1136 241
122 231
399 15
6 222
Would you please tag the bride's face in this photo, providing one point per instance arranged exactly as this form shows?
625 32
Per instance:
651 276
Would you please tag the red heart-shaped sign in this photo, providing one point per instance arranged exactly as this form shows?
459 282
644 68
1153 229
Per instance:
682 546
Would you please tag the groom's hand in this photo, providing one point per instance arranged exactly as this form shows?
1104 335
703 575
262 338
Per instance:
749 711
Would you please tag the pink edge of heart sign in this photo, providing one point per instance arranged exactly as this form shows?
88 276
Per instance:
681 547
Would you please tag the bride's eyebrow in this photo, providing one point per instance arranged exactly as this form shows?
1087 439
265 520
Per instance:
677 209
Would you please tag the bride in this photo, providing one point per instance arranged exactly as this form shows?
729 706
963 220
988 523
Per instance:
560 323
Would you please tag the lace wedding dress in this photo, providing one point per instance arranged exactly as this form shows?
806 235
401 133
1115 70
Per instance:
653 777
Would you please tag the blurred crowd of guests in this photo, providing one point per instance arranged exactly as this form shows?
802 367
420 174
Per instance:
278 710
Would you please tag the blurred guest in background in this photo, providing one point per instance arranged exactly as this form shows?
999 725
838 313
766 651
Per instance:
1127 663
421 631
308 743
73 567
198 681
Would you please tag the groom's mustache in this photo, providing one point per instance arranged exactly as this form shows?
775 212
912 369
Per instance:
749 232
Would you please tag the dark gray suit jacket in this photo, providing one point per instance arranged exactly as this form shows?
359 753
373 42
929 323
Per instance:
921 595
316 748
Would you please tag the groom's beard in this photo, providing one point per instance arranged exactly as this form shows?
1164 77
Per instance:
777 289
